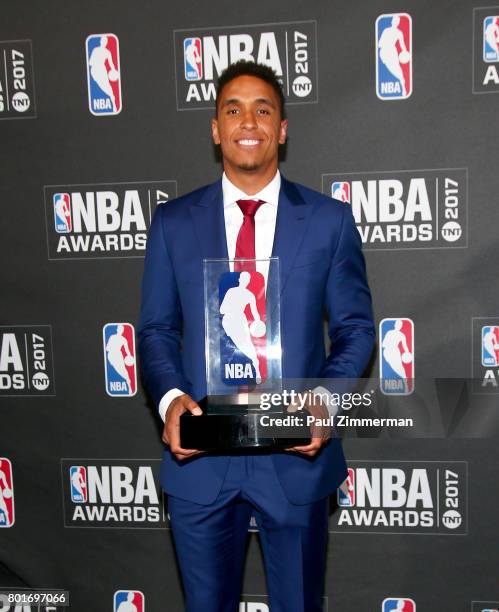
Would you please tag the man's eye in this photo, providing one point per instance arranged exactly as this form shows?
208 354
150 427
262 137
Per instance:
232 111
263 111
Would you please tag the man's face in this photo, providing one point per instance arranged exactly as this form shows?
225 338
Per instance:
248 126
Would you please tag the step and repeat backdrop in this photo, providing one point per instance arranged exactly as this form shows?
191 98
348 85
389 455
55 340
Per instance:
104 115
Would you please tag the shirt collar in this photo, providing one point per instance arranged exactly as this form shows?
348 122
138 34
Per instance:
270 193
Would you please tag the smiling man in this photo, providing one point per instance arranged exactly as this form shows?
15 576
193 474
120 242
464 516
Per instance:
252 211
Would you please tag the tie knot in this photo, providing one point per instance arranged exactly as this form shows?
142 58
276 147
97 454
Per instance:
249 207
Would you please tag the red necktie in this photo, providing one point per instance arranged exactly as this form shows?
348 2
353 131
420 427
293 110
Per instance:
245 244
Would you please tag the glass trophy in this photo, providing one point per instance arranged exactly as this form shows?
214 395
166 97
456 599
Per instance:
243 357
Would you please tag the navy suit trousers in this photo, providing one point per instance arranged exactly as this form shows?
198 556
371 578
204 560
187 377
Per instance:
210 541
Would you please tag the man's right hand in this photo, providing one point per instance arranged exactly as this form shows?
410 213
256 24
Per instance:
171 430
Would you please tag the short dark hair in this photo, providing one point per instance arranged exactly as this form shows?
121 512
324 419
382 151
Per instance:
260 71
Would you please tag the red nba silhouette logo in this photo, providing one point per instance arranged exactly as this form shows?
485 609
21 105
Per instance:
6 493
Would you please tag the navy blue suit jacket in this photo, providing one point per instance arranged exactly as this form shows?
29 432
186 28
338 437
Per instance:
321 266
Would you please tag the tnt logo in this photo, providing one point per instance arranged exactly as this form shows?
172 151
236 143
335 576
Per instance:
129 601
490 345
346 491
394 56
398 604
491 39
243 341
62 213
6 493
103 74
193 67
340 190
119 359
396 360
78 478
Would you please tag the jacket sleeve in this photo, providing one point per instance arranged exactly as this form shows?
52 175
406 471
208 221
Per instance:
160 324
348 301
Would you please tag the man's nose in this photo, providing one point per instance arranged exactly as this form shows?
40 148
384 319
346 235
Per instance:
248 119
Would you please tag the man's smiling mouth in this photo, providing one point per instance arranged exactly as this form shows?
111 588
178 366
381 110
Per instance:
248 142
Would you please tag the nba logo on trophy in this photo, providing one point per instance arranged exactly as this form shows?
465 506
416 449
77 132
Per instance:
243 341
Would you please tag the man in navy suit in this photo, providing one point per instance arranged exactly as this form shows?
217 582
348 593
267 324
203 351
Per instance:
211 497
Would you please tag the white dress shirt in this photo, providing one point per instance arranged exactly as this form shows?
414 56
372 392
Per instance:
265 218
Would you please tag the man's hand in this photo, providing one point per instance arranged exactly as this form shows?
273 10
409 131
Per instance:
320 433
171 430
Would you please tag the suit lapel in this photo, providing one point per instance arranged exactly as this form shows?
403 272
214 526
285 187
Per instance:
293 214
209 224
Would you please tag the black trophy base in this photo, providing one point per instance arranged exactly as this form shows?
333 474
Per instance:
236 430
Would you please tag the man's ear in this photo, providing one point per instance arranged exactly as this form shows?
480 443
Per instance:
283 131
214 131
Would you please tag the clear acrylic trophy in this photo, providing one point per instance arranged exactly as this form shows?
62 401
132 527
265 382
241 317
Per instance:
243 356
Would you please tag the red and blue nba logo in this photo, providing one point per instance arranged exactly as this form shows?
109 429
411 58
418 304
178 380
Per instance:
62 213
243 330
396 359
491 39
119 359
490 345
129 601
346 491
6 493
103 74
78 483
193 66
340 190
394 56
398 604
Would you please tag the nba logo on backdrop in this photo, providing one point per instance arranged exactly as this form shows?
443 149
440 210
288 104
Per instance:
242 338
103 74
394 56
490 345
491 39
485 72
126 601
346 491
62 213
78 478
119 359
396 360
398 604
485 354
193 65
340 190
6 493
